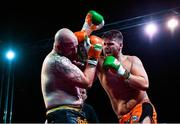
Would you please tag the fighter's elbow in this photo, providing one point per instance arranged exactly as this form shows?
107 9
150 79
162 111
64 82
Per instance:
88 84
145 86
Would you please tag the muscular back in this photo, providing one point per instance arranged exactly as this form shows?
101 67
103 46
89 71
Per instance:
123 97
58 79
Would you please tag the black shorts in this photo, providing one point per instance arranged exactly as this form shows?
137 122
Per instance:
69 114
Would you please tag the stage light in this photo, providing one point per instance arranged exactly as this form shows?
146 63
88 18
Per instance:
151 29
9 85
172 23
10 55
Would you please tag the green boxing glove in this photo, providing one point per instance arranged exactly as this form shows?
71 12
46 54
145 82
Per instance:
97 19
111 62
93 21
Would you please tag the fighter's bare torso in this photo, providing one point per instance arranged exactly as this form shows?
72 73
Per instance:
57 88
123 97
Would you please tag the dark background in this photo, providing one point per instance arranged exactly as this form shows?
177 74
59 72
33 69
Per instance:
29 27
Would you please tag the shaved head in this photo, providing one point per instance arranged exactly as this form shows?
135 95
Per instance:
62 37
64 32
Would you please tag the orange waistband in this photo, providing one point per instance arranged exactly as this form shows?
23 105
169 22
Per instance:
146 100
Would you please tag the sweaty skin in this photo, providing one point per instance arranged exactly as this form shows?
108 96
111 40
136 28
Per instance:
122 95
58 76
125 81
62 81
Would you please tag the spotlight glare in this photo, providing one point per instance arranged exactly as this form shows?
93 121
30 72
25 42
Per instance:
10 55
172 23
151 29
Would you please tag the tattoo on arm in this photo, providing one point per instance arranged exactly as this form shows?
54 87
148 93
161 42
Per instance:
65 68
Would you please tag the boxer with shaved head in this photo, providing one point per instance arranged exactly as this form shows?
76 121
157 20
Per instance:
63 83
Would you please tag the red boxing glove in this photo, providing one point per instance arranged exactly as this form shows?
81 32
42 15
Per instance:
94 46
81 36
90 47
